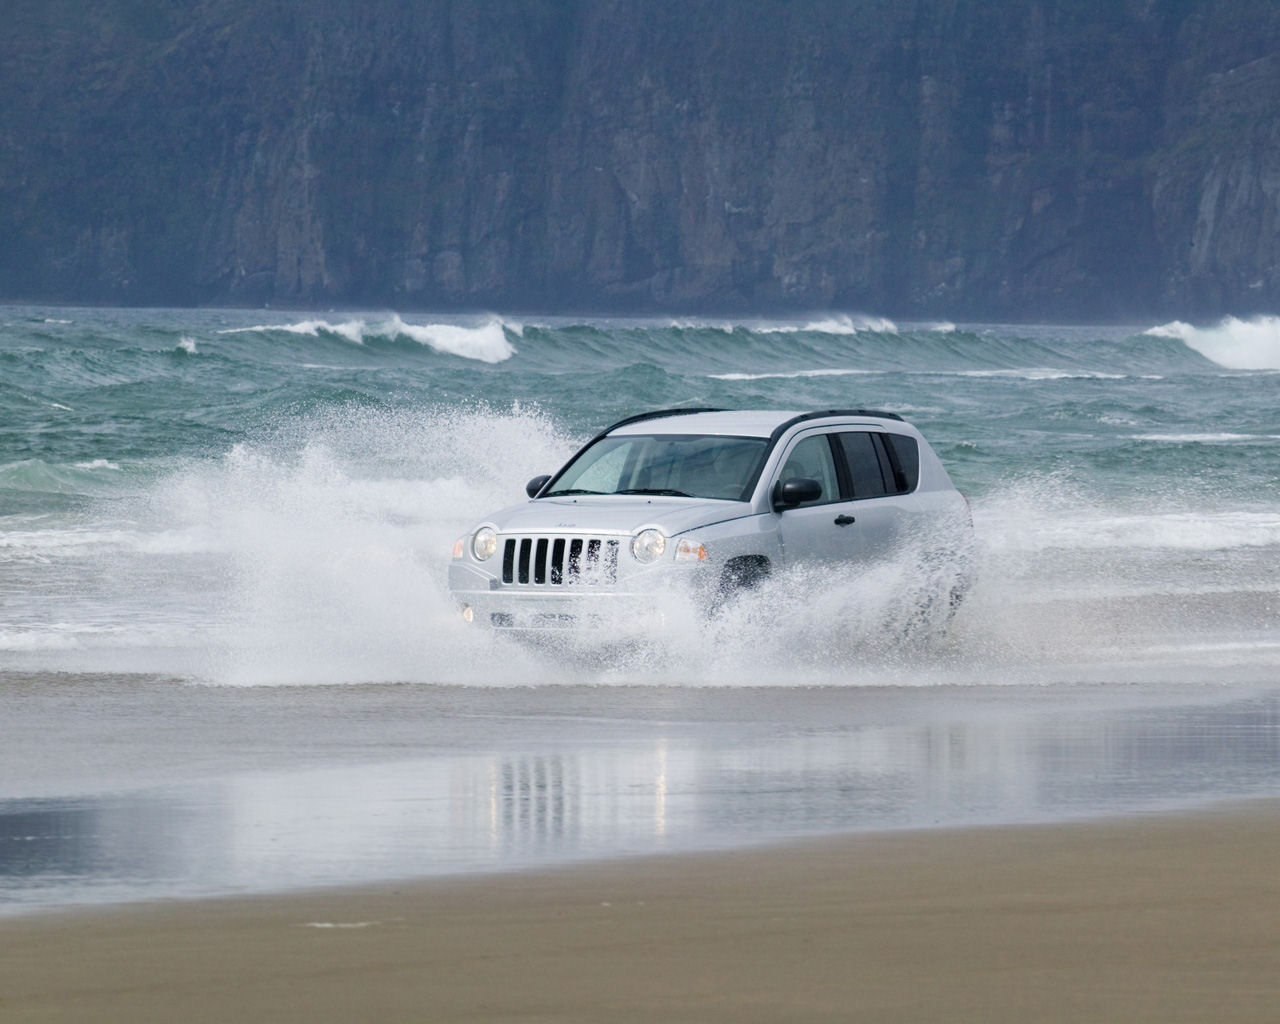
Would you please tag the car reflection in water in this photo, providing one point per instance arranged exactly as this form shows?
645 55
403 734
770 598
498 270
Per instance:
663 786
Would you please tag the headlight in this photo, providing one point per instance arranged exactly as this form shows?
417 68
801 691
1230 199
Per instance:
484 543
648 546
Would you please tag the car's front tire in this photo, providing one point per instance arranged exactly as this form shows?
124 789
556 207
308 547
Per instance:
739 575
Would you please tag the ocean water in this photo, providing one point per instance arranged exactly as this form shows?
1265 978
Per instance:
255 497
228 662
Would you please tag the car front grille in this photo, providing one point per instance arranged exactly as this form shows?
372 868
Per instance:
560 561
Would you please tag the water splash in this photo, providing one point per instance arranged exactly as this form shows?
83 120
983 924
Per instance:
318 553
333 534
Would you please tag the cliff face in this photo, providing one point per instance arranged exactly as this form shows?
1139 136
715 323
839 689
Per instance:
1078 158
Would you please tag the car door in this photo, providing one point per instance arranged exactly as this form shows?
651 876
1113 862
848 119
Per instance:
817 531
885 512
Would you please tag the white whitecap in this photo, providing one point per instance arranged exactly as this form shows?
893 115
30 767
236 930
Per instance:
838 324
486 342
1043 373
1236 344
1222 438
724 327
187 345
791 375
352 330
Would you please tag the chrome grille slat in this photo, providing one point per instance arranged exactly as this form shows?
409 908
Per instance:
542 561
508 561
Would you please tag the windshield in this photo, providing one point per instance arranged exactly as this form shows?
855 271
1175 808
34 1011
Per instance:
680 465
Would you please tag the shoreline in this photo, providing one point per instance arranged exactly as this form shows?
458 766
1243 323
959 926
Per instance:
1163 917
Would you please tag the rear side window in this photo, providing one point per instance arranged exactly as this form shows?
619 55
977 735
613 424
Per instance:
866 464
879 464
908 452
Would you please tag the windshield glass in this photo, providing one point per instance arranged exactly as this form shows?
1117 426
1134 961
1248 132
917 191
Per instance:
680 465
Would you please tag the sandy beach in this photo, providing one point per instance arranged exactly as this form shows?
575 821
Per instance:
1160 918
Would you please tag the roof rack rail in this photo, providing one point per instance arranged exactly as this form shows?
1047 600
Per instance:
657 414
819 414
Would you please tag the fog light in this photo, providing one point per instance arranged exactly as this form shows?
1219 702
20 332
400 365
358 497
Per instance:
468 613
641 623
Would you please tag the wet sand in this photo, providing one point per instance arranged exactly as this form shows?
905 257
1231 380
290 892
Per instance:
1173 918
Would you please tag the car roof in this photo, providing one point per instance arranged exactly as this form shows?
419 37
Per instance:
738 423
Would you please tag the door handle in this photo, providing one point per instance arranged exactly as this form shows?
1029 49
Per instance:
843 520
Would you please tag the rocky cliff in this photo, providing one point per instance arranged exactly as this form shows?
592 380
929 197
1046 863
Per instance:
956 158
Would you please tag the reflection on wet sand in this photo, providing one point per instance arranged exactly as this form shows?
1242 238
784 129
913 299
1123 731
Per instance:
534 804
658 783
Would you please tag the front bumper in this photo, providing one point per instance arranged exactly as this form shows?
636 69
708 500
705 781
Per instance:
637 606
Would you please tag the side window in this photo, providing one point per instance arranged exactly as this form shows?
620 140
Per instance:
812 458
869 472
908 453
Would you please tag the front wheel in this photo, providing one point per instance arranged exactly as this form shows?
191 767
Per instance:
739 575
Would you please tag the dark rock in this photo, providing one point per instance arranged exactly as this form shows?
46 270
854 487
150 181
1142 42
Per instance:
1032 159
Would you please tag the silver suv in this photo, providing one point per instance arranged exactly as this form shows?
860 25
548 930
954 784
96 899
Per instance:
713 502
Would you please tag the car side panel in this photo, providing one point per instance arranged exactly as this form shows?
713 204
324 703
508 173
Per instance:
811 533
882 525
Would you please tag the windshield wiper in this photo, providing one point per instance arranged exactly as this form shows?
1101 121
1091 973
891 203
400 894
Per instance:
654 490
571 490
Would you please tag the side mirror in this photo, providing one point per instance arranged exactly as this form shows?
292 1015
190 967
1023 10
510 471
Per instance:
536 484
796 491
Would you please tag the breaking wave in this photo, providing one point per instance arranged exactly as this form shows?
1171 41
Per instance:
486 342
1252 344
841 324
833 324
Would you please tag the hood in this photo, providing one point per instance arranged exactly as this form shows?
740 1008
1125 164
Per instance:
622 514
